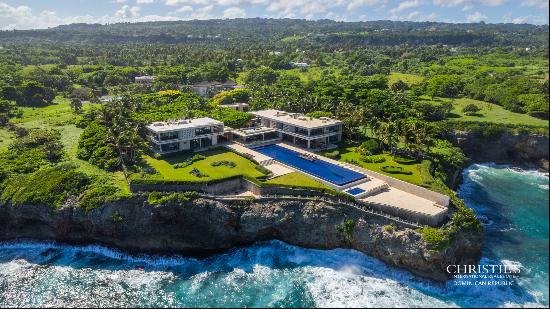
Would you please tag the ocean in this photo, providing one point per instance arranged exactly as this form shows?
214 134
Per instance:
512 204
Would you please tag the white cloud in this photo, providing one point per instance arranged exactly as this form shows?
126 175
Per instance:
527 19
128 12
185 9
451 3
355 4
203 12
145 1
241 2
22 17
119 1
234 12
186 2
475 17
405 5
542 4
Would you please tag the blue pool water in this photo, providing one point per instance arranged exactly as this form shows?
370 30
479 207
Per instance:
327 171
355 191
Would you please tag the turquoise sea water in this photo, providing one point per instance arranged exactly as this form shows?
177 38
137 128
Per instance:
513 205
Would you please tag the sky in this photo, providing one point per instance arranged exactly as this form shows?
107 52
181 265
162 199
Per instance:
39 14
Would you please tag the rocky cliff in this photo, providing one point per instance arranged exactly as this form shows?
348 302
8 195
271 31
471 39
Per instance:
520 149
205 226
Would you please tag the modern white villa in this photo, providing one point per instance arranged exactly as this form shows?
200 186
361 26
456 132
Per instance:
283 142
185 134
270 126
307 132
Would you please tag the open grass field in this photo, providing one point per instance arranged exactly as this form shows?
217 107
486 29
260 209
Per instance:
164 166
60 116
409 79
419 175
298 180
489 113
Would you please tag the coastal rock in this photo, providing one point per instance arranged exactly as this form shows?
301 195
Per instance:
205 226
523 149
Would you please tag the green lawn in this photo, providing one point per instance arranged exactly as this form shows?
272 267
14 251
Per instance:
490 113
419 176
167 172
409 79
298 180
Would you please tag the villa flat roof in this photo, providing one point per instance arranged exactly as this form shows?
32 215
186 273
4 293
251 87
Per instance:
253 131
145 77
299 120
164 126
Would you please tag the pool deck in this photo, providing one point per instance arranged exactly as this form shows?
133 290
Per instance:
375 191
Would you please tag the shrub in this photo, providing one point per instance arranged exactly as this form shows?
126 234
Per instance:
395 170
195 172
224 163
373 159
96 195
471 109
437 239
333 154
390 227
49 186
193 159
405 161
158 198
345 230
369 147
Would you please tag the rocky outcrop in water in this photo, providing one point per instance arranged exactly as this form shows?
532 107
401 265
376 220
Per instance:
206 226
520 149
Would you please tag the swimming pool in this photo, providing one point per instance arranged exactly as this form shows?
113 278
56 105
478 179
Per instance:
333 173
355 191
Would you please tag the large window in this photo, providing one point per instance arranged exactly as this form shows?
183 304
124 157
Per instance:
203 130
318 131
335 128
170 147
300 131
164 136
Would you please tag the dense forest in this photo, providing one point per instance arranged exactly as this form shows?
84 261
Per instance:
397 87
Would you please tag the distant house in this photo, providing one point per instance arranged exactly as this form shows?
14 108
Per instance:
207 89
184 134
145 80
243 107
300 64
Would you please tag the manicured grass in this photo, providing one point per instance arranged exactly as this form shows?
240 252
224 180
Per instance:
409 79
417 176
490 113
167 172
298 180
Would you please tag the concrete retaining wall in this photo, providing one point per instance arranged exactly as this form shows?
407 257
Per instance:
224 187
410 215
238 184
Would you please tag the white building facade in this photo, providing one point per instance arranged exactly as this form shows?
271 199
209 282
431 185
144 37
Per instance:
185 134
307 132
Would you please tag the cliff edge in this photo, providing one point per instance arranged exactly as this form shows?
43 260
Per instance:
204 226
